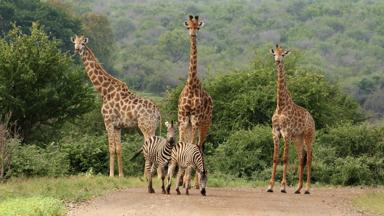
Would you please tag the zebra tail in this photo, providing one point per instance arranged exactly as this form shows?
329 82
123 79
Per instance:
136 154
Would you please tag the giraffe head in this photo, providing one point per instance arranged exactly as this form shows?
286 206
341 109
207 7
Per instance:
171 132
79 42
279 53
193 25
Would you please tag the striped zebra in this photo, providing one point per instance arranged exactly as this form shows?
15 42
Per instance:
187 157
157 153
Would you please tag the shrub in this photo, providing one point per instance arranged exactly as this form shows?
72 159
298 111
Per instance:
245 153
31 160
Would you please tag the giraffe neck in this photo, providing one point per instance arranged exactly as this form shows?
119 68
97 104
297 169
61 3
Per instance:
283 97
192 74
101 80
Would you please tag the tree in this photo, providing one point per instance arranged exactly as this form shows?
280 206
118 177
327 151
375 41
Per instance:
102 41
57 23
39 84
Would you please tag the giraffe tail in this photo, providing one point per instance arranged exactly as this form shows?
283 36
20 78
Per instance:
136 154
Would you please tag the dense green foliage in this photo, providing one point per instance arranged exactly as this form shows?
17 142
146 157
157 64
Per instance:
39 84
153 44
23 13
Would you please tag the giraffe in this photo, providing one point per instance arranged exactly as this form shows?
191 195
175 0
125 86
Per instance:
121 108
195 105
292 123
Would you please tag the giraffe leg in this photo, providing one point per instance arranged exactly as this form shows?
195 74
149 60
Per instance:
285 165
276 141
309 163
111 147
300 156
119 151
171 170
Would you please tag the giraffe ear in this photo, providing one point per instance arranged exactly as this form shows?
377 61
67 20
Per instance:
86 40
186 24
286 52
201 24
272 52
73 39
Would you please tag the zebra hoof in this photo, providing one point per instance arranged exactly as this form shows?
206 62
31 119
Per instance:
187 192
307 192
151 190
203 192
178 191
168 190
197 187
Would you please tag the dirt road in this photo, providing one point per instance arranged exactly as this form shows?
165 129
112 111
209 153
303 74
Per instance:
223 201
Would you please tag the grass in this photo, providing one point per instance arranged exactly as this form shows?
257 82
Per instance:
32 206
47 196
371 202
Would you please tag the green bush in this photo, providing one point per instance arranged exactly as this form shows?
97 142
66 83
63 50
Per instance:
89 153
86 153
245 152
31 160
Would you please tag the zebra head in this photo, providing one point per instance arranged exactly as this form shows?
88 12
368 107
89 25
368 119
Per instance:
203 182
171 132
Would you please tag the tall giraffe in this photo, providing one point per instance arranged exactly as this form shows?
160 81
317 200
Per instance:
121 108
293 123
195 105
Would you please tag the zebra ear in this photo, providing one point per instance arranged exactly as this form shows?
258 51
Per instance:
166 124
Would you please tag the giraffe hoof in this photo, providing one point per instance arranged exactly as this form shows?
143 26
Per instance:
307 192
197 187
270 190
187 192
297 192
283 191
178 191
150 190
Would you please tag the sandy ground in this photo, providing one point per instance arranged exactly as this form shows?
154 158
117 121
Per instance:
223 201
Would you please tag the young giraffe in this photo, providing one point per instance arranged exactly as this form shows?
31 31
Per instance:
121 108
293 123
195 105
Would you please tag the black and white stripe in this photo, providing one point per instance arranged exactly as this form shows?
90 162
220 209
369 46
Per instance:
187 157
157 153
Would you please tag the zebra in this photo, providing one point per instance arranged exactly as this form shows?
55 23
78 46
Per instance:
187 157
157 153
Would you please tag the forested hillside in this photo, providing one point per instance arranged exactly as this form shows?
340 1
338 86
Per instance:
342 39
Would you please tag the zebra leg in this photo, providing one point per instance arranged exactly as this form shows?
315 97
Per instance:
187 179
161 174
179 175
148 172
171 170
